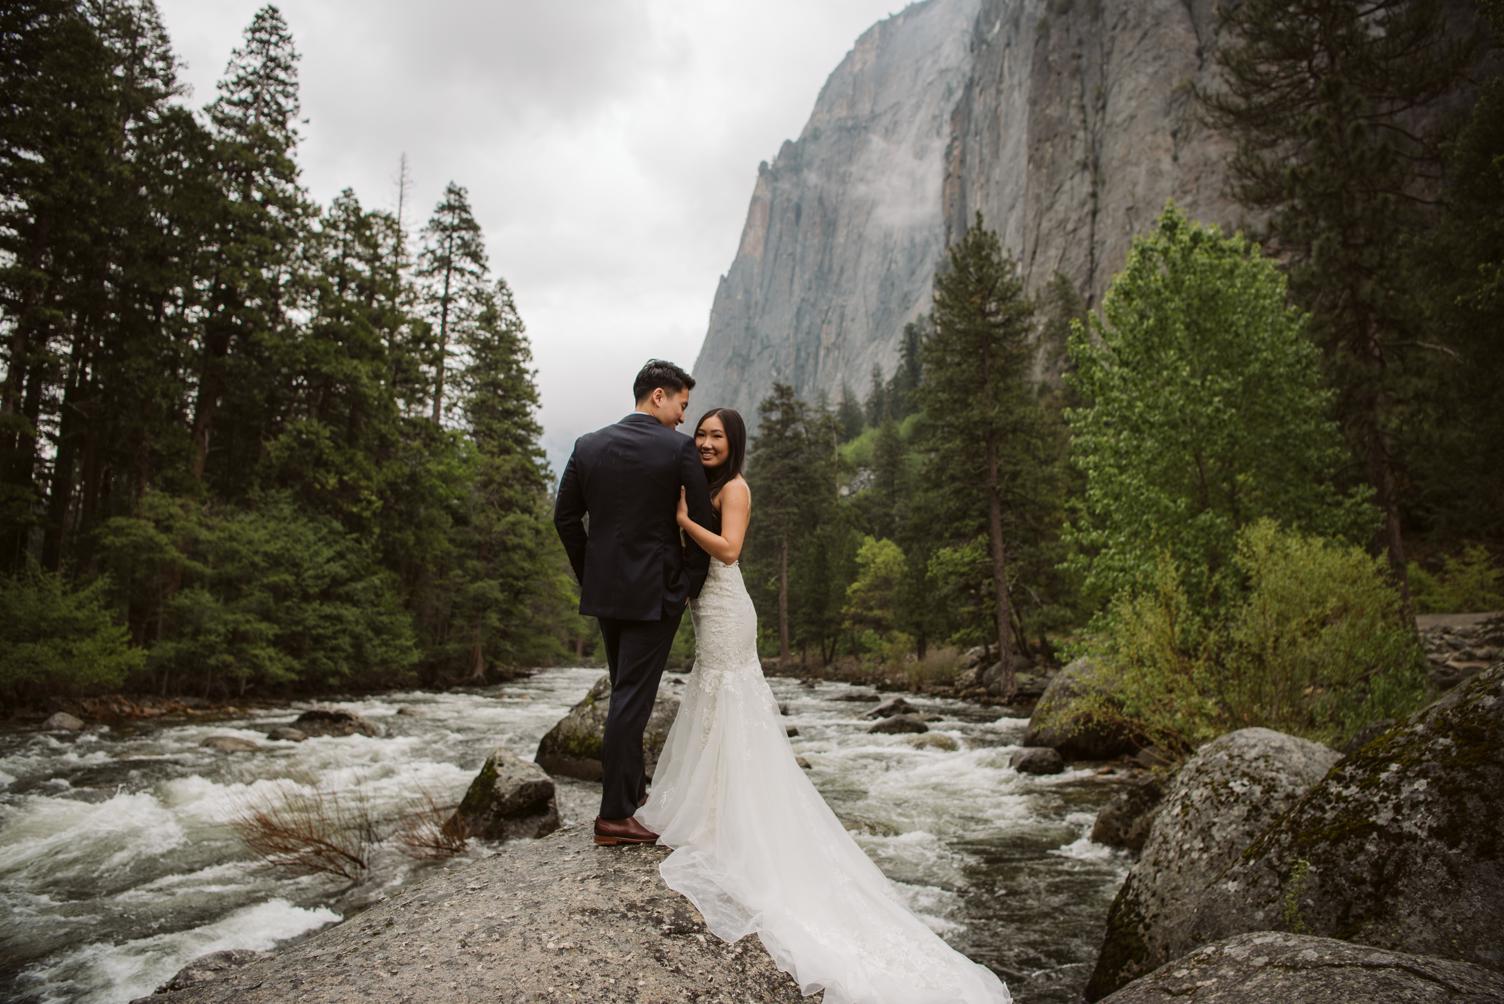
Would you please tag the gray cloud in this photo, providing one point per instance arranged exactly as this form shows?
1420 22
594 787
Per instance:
609 147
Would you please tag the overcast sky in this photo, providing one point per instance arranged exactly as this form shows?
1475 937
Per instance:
609 147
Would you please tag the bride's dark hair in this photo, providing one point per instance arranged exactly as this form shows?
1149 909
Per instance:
736 446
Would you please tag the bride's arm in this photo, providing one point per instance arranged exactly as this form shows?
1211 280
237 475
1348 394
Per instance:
736 509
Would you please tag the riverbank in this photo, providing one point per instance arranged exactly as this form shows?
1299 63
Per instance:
553 919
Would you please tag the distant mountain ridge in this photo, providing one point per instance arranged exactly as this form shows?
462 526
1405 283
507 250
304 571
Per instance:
1067 123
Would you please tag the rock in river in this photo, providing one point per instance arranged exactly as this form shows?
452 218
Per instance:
231 744
1217 803
1037 760
1274 966
572 748
510 797
900 724
61 721
1055 723
334 722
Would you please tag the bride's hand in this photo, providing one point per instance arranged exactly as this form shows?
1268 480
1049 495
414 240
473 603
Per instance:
681 515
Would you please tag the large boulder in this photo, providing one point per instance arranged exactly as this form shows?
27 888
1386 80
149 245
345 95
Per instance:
1054 723
1275 966
891 707
1400 847
572 748
1217 803
510 797
334 722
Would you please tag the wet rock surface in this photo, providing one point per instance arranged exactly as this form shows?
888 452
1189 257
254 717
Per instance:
1037 760
1273 966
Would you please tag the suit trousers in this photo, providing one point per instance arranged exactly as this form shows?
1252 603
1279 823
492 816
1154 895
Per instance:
636 652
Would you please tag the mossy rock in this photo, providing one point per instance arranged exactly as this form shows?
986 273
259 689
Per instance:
1059 724
1216 804
1401 846
1277 966
572 748
509 798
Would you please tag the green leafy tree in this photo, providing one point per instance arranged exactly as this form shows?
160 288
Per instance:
1201 412
872 597
977 398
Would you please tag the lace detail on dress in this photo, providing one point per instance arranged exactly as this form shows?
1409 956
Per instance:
756 849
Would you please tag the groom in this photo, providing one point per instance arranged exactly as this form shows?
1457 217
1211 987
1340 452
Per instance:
635 574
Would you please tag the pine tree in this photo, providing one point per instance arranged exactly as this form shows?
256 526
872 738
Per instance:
849 414
54 170
790 470
452 272
1335 107
259 231
976 394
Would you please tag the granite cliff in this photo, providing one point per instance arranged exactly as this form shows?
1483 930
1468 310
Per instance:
1067 123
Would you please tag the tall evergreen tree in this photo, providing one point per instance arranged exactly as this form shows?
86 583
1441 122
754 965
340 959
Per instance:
790 471
452 271
976 393
259 230
1335 108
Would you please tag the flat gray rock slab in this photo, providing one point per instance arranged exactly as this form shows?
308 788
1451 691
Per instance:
554 919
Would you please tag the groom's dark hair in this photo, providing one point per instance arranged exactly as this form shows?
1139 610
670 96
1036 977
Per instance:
660 373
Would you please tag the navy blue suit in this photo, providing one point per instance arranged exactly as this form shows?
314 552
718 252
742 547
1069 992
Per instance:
615 515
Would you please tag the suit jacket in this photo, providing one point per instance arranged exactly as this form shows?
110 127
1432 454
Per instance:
630 559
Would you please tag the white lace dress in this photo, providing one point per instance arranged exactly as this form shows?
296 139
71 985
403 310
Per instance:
757 850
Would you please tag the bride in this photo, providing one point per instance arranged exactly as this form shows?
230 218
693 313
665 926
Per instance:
755 847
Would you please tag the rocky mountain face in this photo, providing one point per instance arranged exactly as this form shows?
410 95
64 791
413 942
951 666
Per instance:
1066 123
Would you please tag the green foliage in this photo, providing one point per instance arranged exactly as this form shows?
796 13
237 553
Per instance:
872 597
1468 582
60 636
1339 112
1200 413
1313 643
267 595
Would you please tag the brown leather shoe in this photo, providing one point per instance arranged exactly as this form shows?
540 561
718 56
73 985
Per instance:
611 832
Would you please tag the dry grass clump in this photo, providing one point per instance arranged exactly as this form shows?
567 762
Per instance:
308 830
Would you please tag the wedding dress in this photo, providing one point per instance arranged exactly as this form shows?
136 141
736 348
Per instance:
756 849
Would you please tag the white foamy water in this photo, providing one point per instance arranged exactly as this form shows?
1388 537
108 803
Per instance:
119 864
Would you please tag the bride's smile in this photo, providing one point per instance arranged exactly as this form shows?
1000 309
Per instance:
710 440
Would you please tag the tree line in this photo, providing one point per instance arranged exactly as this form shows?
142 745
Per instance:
246 441
1265 454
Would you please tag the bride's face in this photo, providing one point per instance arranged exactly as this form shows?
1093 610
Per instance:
710 440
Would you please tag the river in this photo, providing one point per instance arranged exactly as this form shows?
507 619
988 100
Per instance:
118 861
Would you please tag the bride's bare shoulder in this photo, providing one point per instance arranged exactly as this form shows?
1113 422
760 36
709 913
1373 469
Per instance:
738 485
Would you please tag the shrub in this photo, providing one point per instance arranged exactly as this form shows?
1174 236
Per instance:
1468 582
1313 643
56 636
